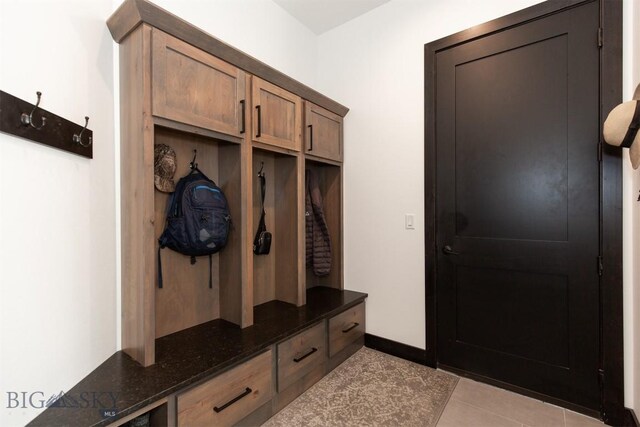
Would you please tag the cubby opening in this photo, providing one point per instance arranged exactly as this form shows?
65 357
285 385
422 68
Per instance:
157 416
330 184
276 275
185 299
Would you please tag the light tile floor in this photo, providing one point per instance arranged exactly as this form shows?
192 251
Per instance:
476 404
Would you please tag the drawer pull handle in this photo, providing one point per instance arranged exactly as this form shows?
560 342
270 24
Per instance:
309 353
232 401
355 325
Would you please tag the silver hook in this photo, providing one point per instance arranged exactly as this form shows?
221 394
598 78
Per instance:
27 119
77 138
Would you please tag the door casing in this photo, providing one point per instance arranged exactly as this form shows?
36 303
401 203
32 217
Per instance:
611 335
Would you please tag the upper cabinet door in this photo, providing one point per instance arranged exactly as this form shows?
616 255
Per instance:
323 133
277 115
193 87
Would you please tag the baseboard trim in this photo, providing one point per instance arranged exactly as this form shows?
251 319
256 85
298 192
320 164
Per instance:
394 348
630 418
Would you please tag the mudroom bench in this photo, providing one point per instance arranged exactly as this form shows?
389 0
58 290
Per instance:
219 374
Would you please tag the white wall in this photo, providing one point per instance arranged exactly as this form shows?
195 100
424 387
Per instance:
57 228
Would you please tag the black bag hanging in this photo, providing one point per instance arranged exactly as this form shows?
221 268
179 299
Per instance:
262 240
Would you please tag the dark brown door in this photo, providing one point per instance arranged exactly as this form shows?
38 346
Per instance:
517 206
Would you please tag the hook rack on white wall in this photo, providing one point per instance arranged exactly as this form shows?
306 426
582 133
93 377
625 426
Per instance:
29 121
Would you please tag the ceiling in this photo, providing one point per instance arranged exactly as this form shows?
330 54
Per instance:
322 15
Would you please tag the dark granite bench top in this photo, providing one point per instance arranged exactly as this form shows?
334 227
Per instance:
122 385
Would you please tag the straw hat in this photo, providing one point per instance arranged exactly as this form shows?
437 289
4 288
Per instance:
164 167
622 126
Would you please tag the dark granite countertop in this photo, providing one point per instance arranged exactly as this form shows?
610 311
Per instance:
123 386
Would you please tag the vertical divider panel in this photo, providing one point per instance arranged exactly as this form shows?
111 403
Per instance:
286 226
301 227
248 224
137 209
230 258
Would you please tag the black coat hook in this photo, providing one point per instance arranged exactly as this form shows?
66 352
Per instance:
193 164
27 119
77 138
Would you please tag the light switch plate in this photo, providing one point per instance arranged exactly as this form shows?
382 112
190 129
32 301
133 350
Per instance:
409 221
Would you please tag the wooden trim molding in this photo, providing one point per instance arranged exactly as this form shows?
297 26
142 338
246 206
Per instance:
132 13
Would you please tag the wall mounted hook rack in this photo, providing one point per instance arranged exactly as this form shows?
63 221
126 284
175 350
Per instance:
17 118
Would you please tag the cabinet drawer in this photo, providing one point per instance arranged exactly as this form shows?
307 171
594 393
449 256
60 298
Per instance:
299 355
229 397
191 86
345 328
323 133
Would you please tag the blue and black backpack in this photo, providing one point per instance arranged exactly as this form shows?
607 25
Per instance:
198 219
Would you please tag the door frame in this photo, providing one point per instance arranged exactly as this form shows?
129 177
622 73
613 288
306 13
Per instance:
612 409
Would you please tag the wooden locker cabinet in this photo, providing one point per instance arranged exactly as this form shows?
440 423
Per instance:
323 133
182 87
190 86
277 115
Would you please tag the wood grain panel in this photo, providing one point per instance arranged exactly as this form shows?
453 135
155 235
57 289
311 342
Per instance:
134 12
291 364
232 266
345 328
136 156
246 172
191 86
323 133
276 274
279 121
296 389
286 227
196 406
330 183
186 299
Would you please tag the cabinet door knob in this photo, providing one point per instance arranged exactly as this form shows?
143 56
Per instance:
310 137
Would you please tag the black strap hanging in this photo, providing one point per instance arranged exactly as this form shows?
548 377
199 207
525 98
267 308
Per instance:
262 240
